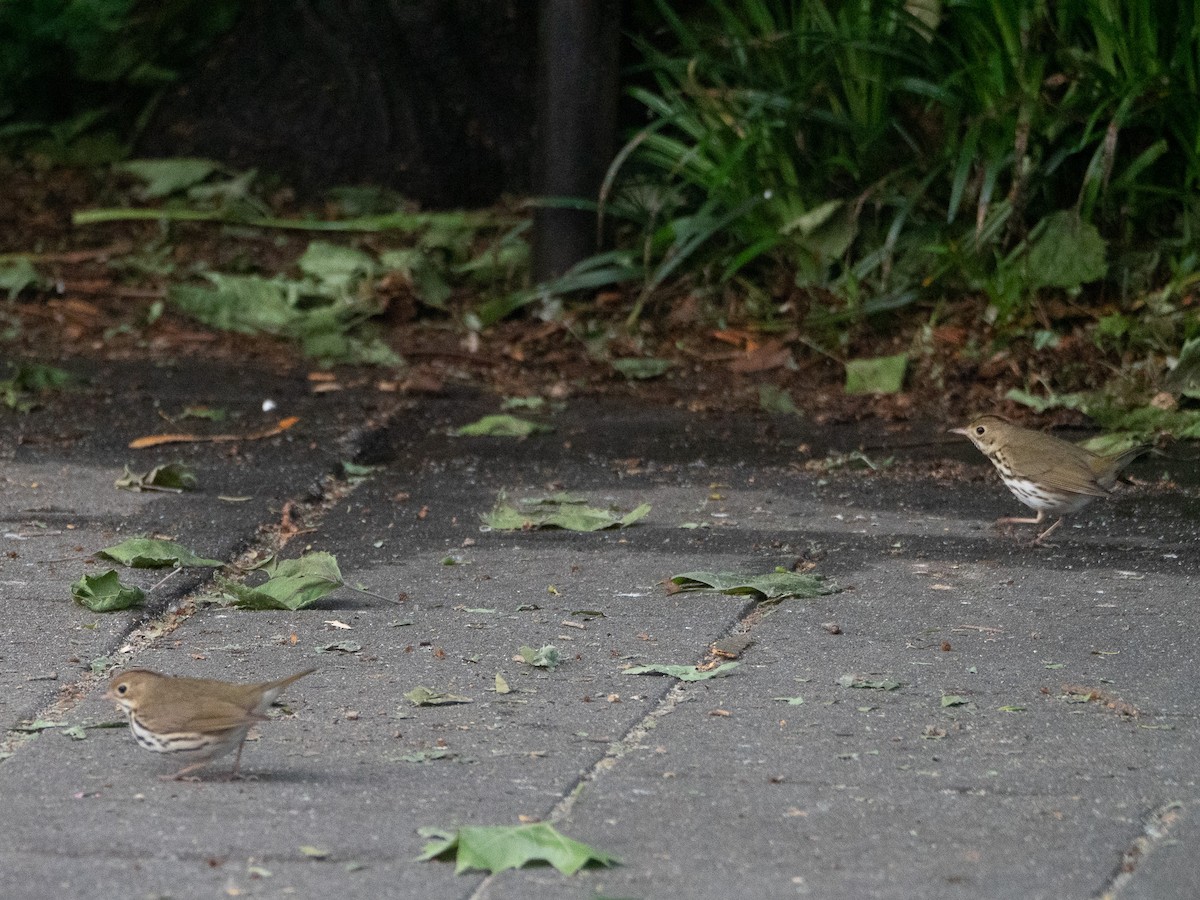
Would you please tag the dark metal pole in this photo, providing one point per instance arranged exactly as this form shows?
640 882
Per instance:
578 93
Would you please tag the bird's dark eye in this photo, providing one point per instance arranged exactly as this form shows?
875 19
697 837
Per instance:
122 688
979 430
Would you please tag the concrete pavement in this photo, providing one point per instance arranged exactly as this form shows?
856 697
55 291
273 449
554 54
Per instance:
1037 781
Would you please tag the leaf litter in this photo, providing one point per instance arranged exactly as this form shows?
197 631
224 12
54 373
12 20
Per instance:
325 311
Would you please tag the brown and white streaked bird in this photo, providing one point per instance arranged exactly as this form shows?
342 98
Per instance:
196 720
1048 474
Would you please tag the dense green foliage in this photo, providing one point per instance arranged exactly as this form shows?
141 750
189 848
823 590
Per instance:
73 66
874 151
853 156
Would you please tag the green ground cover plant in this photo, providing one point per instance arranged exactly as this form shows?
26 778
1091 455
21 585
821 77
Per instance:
873 154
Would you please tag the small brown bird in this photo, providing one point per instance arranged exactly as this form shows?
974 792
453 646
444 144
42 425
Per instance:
198 719
1046 473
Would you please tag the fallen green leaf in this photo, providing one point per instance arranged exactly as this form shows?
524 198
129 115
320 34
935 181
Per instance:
501 425
637 368
546 657
150 553
336 265
163 177
16 392
340 647
498 847
40 377
105 593
570 515
332 346
774 399
533 404
502 684
1142 421
424 756
882 375
865 683
292 583
773 586
954 700
1041 404
683 673
325 320
17 275
423 696
790 701
314 852
1011 708
1111 443
243 303
171 477
1183 424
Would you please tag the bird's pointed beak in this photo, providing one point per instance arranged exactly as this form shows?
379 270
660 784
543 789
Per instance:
963 431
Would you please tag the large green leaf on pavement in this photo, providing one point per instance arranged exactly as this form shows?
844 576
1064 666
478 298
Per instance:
494 848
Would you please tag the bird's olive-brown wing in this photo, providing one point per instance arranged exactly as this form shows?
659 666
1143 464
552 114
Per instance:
1055 467
199 715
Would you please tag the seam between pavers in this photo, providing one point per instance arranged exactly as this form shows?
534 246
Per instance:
1157 826
70 695
753 613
